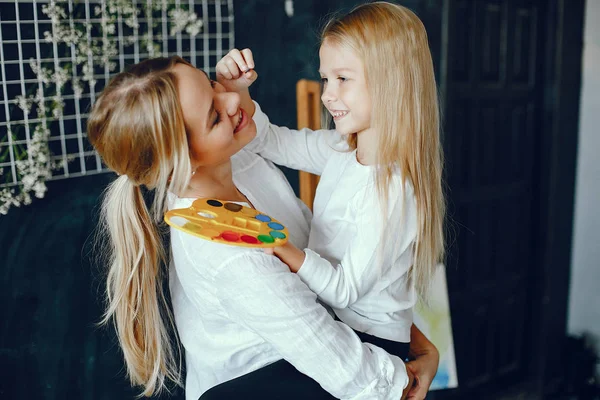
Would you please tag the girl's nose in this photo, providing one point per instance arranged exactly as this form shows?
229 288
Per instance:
328 94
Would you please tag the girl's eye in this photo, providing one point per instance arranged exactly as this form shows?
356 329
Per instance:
323 80
341 79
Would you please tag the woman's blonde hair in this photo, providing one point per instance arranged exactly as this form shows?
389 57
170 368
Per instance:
137 127
392 43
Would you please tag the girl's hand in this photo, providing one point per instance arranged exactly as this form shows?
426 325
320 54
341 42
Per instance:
235 71
289 254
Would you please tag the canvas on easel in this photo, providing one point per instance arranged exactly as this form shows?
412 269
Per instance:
435 323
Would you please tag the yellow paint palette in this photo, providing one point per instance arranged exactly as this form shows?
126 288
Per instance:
228 223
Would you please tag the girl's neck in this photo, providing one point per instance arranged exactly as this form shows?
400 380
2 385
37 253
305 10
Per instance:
366 147
215 182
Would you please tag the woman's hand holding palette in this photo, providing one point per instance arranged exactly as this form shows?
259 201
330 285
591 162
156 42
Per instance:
228 223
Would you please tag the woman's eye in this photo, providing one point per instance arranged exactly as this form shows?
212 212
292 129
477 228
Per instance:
217 119
324 80
341 79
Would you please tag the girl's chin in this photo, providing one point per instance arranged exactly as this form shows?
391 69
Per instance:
343 132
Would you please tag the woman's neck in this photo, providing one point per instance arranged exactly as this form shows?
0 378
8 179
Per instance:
215 182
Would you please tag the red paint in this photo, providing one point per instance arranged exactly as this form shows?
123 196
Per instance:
250 239
230 236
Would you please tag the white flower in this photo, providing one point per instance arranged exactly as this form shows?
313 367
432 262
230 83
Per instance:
28 181
23 103
26 198
132 22
39 188
194 28
60 77
57 106
54 12
184 20
77 89
85 48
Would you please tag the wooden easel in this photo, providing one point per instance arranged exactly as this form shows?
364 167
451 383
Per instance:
308 98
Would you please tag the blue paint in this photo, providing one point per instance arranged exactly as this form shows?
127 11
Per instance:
263 218
275 225
277 234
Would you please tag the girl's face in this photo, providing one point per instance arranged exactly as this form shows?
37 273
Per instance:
345 92
217 127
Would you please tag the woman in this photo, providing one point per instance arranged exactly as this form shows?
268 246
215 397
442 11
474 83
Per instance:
164 127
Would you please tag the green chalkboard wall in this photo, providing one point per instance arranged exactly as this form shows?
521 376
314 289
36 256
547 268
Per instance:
50 289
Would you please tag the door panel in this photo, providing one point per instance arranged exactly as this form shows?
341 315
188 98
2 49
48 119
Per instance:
493 101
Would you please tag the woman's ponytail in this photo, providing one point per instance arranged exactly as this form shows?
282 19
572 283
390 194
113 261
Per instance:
136 301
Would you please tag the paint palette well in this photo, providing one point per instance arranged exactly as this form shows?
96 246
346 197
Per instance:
228 223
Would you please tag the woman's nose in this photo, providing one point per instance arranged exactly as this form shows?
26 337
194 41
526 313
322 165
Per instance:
218 88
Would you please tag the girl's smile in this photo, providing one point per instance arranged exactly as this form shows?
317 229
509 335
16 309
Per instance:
345 92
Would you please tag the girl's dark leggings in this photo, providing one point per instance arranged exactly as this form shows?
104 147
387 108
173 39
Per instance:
281 380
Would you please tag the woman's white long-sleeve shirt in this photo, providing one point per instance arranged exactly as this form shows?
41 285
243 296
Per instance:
357 260
238 309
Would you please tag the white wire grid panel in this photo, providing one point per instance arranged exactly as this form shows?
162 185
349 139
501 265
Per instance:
22 27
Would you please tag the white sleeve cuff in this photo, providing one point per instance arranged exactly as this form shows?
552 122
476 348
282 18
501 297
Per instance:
261 120
391 383
315 271
399 379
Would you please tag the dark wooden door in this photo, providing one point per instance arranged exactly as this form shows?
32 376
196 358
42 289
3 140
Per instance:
493 102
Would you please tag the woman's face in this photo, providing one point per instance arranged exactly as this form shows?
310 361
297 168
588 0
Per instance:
217 127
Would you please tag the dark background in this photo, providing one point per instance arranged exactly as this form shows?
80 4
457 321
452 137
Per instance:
510 105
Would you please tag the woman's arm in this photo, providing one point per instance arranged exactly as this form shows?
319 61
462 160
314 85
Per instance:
259 293
425 363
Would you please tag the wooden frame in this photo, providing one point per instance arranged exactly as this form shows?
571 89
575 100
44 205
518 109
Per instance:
308 100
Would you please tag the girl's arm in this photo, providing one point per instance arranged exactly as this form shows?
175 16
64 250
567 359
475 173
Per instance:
367 257
305 149
260 293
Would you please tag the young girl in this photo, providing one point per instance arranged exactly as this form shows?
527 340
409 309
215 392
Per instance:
376 233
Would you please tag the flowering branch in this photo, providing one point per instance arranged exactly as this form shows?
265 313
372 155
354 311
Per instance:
33 163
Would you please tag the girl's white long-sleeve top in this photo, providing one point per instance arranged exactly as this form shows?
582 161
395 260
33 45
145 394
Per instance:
357 260
238 309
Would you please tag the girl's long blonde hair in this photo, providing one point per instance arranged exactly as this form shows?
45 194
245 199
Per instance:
392 44
137 127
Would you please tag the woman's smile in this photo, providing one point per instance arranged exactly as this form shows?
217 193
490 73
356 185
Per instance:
242 121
